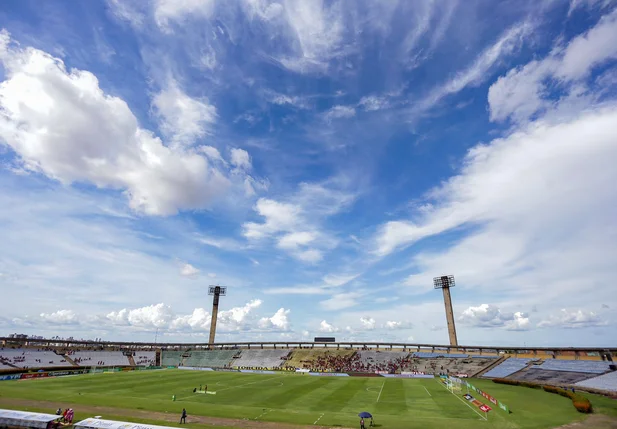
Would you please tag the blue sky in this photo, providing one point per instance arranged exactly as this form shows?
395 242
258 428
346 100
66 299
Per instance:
324 160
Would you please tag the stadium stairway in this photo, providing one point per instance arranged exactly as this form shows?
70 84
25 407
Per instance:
69 360
131 361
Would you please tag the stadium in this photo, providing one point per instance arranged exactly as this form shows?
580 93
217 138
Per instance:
325 172
323 383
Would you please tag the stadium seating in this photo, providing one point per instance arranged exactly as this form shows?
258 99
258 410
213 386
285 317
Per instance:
265 358
379 357
603 382
448 365
507 367
304 358
537 375
437 355
210 358
99 358
171 357
30 358
591 367
147 358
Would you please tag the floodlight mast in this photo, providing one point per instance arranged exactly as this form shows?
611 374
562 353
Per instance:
216 291
445 283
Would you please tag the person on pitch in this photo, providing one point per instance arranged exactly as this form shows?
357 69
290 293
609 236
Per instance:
183 417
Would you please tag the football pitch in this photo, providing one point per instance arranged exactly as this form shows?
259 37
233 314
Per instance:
282 400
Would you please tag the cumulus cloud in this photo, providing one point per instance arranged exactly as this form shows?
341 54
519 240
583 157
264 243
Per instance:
487 316
188 270
530 89
367 322
240 159
60 123
573 319
279 321
294 222
61 317
161 316
397 324
326 327
152 316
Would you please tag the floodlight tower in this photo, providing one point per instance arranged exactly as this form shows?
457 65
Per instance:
217 291
445 283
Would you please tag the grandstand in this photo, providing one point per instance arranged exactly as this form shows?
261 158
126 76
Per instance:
210 358
448 365
100 358
263 358
591 367
584 368
307 359
507 367
171 357
606 382
32 358
541 376
145 358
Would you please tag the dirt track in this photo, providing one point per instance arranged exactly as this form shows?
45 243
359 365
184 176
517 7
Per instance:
24 404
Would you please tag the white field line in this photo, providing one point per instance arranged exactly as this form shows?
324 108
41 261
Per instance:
379 396
246 384
429 393
315 422
463 401
265 412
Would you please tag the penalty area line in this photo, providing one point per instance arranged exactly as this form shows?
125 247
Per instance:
429 393
262 414
381 390
315 422
464 402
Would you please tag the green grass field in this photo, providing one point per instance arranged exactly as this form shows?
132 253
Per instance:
285 398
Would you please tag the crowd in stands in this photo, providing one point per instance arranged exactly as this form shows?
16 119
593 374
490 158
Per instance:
355 363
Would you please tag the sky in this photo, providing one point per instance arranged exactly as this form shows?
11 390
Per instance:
324 160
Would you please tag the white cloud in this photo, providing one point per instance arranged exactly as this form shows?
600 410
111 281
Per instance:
294 222
240 159
61 317
526 90
397 324
477 72
176 10
149 317
338 112
487 316
372 103
317 29
367 322
336 280
294 240
183 119
279 321
188 270
60 123
516 189
573 319
212 275
326 327
341 301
